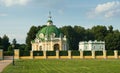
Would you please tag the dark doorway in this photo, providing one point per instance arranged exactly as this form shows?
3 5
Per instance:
56 47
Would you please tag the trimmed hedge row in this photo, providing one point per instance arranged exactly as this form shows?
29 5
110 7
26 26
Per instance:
51 53
87 53
110 52
62 53
118 52
75 53
98 53
37 53
8 53
24 53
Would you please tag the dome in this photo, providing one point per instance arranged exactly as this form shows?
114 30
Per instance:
48 31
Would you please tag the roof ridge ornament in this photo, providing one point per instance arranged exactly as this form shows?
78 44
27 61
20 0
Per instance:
49 22
50 15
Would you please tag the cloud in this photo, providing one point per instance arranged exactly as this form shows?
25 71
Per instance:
9 3
3 14
107 10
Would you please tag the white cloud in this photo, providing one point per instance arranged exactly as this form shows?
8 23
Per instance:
107 10
9 3
3 14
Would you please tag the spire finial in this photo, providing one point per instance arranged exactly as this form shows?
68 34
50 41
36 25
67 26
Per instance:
49 22
50 15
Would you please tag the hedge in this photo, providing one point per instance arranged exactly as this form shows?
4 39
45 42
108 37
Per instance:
63 53
118 52
110 52
24 53
8 53
75 53
98 53
51 53
87 53
37 53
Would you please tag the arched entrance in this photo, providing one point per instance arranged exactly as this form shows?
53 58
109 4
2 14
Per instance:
56 47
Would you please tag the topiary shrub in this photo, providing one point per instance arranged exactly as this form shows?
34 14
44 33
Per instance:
87 53
37 53
63 53
50 53
98 53
24 53
110 52
8 53
75 53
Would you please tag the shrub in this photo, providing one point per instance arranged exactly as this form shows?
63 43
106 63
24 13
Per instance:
98 53
8 53
75 53
63 53
110 52
87 53
24 53
50 53
118 52
37 53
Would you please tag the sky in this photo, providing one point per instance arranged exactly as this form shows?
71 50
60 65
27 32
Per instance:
17 16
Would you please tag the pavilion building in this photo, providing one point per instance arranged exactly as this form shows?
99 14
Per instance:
49 38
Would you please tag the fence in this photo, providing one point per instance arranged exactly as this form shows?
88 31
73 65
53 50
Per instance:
64 54
69 55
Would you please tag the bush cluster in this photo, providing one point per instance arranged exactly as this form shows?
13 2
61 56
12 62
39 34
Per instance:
37 53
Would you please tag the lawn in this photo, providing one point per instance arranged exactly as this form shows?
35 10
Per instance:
65 66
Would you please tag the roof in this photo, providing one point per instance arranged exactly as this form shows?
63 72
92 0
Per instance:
48 31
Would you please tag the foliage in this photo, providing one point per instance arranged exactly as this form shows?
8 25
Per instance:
99 53
8 53
87 53
37 53
118 52
51 53
64 66
113 41
5 42
63 53
75 53
74 35
24 53
110 52
10 48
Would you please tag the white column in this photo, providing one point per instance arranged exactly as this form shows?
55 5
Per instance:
104 54
51 46
93 54
116 54
69 54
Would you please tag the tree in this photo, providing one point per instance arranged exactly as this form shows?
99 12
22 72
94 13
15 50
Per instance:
0 41
89 35
70 34
10 48
79 35
5 42
110 29
99 32
112 41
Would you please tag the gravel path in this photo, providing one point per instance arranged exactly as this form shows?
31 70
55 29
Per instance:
4 63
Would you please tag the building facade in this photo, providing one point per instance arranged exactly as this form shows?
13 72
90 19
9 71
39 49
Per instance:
49 38
92 45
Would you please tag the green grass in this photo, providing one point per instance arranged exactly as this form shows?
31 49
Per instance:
65 66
